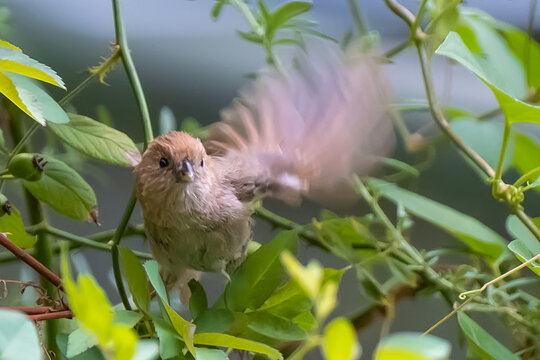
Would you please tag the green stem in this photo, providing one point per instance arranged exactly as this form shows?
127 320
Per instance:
358 20
131 72
397 49
286 224
416 23
438 115
497 180
43 244
80 240
244 9
534 173
430 274
129 66
310 343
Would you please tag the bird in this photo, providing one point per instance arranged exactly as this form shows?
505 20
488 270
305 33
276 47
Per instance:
293 132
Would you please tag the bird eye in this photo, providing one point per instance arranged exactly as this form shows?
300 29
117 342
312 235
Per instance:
202 163
163 162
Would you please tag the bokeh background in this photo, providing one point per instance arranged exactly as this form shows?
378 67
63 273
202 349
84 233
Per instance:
195 66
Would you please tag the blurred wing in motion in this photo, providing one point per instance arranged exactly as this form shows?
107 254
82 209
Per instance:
305 130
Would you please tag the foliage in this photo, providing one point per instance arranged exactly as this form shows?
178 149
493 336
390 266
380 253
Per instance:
274 307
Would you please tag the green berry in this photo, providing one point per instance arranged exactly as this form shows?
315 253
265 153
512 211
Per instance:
27 166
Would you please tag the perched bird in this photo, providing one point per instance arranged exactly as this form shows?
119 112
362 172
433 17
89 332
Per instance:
294 132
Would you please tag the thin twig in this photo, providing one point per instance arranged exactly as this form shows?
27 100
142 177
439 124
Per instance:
31 261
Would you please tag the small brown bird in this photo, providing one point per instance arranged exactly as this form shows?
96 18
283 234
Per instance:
300 132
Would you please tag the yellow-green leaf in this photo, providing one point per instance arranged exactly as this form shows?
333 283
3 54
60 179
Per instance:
184 328
9 45
232 342
412 346
31 99
15 61
309 277
14 227
340 341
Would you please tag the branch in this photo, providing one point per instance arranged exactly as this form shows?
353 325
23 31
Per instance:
31 261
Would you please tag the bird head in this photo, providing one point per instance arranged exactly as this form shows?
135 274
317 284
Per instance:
173 160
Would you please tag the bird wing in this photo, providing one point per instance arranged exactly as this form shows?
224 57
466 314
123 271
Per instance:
306 129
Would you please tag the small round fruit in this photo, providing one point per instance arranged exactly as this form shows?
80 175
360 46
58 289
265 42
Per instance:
27 166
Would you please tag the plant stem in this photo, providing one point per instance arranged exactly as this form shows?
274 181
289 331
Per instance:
416 23
84 241
131 72
431 275
35 213
497 180
244 9
358 21
41 269
397 49
438 115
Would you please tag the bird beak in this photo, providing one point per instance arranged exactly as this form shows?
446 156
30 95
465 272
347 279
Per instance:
184 172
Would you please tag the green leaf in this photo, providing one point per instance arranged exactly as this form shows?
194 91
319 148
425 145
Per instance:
285 13
519 231
210 354
413 346
521 251
31 99
287 301
127 317
275 327
79 341
484 137
526 154
476 235
228 341
64 190
251 37
152 270
136 279
97 140
526 49
146 349
508 86
13 226
483 339
18 337
259 275
15 61
91 354
216 8
340 341
169 342
214 320
198 303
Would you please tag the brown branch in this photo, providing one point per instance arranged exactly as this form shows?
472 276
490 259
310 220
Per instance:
31 261
64 314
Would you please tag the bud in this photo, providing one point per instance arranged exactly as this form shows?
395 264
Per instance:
5 205
27 166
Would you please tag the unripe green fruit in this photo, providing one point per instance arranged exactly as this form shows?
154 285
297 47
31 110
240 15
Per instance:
5 206
27 166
